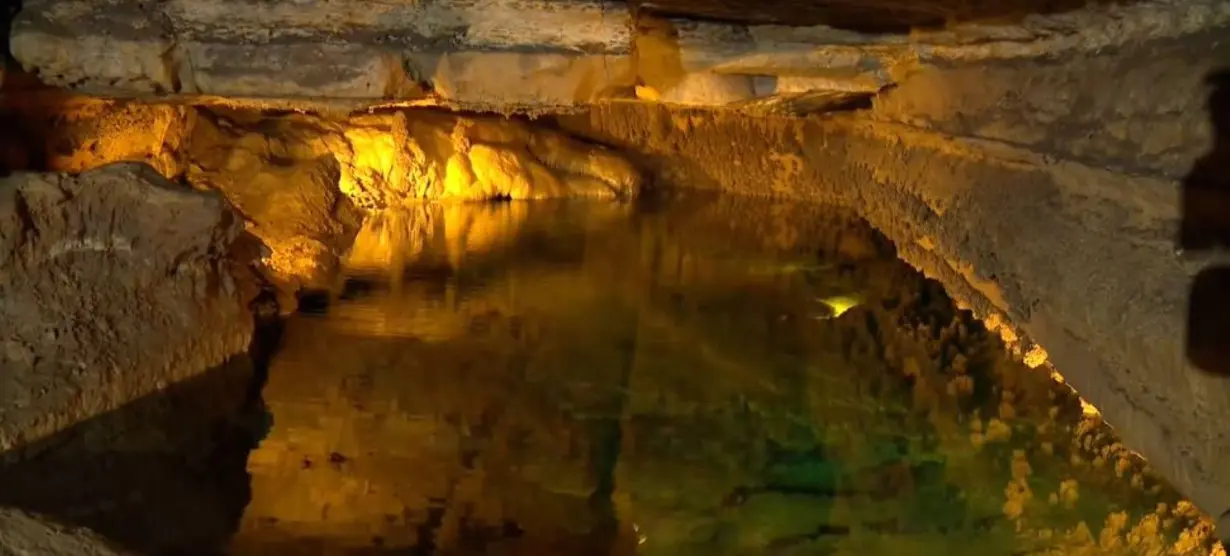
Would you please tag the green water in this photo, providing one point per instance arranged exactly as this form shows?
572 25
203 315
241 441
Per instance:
672 380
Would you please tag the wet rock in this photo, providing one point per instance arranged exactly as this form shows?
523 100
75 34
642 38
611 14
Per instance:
24 533
115 283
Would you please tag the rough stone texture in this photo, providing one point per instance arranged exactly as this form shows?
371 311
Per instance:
54 131
1138 108
523 55
298 180
114 283
510 81
286 192
28 534
339 50
1039 243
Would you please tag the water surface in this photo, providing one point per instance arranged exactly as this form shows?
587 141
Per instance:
704 376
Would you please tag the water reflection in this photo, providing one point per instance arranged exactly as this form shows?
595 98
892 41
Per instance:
558 378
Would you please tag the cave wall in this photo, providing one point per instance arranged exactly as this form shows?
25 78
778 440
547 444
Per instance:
60 132
1033 169
26 533
1022 187
534 55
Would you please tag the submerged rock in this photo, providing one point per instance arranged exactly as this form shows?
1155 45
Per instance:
113 284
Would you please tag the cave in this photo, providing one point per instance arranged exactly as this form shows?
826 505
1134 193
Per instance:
596 277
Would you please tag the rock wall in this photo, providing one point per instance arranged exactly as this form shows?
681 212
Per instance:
59 132
1079 258
115 283
301 181
25 533
531 55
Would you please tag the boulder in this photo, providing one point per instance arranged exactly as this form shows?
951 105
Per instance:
113 284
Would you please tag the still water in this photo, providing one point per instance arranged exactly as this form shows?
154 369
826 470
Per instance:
699 377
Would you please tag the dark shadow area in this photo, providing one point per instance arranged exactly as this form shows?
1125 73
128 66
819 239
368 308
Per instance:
8 9
165 474
36 127
874 16
1206 227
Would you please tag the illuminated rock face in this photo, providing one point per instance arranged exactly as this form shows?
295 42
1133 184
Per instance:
54 131
302 181
116 283
395 159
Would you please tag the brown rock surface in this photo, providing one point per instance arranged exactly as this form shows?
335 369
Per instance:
55 131
355 50
113 284
535 55
28 534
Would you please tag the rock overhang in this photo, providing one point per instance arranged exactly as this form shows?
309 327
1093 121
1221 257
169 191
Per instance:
527 55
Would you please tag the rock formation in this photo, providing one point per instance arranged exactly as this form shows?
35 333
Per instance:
301 180
1032 167
115 283
25 533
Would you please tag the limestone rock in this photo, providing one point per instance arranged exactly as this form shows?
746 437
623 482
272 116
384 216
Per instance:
286 188
114 283
109 46
506 80
69 133
521 55
22 533
709 89
1152 120
325 50
300 181
389 159
297 70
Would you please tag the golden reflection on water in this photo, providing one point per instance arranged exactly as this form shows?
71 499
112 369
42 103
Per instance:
583 378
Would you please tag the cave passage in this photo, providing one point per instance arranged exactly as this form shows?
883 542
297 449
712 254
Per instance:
688 376
478 336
